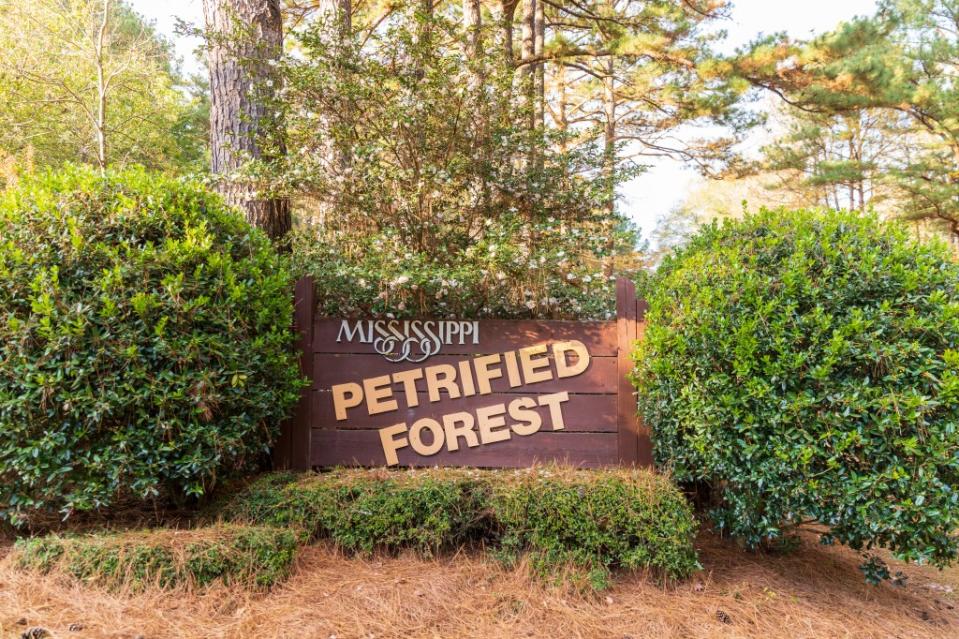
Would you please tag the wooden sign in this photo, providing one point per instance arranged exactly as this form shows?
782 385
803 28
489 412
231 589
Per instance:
485 393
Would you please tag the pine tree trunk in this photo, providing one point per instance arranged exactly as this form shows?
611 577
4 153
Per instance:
340 14
609 135
539 71
528 52
243 124
508 14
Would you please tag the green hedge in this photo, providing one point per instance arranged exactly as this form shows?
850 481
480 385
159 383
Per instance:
593 521
626 519
250 556
805 366
145 342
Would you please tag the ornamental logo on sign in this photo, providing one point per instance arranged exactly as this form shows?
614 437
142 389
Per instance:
408 340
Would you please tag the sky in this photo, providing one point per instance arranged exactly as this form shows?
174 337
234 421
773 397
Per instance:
653 194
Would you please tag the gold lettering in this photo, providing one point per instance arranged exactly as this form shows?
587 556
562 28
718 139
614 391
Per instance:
512 369
531 367
453 433
553 400
490 418
392 444
416 436
346 396
529 420
378 394
441 376
484 374
408 379
563 368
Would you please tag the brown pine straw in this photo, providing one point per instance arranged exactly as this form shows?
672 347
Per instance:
815 592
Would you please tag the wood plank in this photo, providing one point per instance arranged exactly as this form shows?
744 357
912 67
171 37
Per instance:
363 448
582 413
292 449
626 309
644 435
599 377
495 336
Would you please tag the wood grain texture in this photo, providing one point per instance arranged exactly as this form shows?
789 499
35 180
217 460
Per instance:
363 448
292 449
495 336
332 369
582 413
626 309
602 426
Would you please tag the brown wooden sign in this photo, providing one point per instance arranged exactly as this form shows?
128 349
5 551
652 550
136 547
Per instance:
486 393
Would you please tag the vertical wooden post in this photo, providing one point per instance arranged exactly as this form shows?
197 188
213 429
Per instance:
292 450
633 443
644 440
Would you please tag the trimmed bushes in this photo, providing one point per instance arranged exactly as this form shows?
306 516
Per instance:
805 366
255 557
145 342
627 519
593 521
363 510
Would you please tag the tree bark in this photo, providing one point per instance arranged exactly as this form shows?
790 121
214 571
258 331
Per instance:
101 123
508 9
340 12
528 52
243 122
539 72
609 135
473 46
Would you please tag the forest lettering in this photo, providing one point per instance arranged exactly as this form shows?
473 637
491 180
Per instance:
469 377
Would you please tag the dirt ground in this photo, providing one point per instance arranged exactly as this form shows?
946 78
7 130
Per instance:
813 592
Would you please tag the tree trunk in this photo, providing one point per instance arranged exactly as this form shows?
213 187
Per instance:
243 123
609 157
539 72
340 14
609 135
508 9
101 123
473 46
526 71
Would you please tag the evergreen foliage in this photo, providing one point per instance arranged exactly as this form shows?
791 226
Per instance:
805 366
575 524
145 342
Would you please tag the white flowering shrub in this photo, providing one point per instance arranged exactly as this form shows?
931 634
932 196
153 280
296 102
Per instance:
428 199
514 269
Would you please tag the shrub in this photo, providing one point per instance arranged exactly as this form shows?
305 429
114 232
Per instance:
364 510
805 366
144 341
595 521
255 557
515 268
590 521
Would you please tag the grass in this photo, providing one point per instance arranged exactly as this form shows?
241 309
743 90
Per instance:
249 556
815 592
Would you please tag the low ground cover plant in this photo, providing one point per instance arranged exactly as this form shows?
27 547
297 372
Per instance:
804 365
590 521
145 342
249 556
